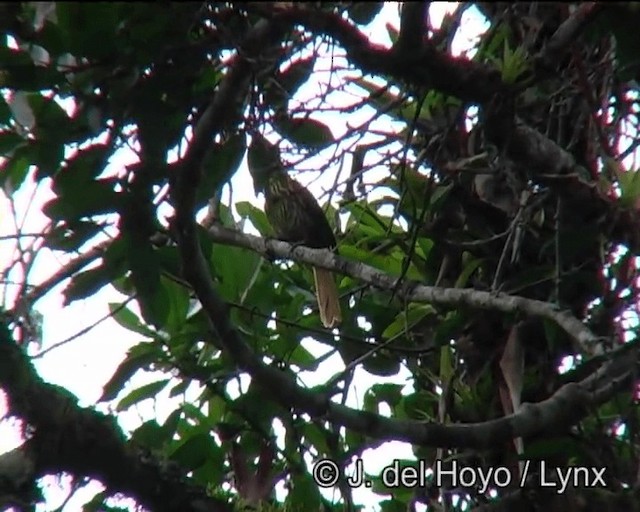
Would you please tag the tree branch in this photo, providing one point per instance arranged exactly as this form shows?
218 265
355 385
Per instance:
424 67
83 442
585 340
412 27
567 33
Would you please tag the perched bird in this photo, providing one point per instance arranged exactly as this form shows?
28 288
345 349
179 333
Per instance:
296 217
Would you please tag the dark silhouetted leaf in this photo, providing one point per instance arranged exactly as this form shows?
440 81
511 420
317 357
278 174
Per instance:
307 132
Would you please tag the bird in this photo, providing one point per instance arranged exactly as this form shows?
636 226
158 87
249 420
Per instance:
296 217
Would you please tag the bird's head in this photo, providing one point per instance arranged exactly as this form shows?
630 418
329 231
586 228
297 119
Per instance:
263 159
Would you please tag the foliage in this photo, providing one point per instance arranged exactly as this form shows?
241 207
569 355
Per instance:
510 171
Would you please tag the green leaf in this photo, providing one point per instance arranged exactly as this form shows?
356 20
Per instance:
19 73
81 170
194 451
392 505
363 13
390 264
466 273
446 363
221 162
15 169
9 141
100 21
87 283
142 393
178 297
408 318
629 187
236 268
145 275
139 357
303 490
305 132
316 436
5 113
71 236
364 215
382 365
257 217
420 406
389 393
95 198
129 320
150 435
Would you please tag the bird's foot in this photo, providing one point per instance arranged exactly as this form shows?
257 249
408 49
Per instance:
294 246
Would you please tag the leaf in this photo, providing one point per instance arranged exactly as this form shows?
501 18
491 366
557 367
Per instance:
129 320
15 170
629 183
194 451
381 365
178 298
100 21
364 215
392 104
81 170
142 393
97 197
466 273
21 109
70 237
286 83
150 435
407 319
89 282
389 393
19 73
303 490
145 275
5 111
219 165
420 405
305 132
257 217
446 364
139 357
390 264
363 13
317 436
9 141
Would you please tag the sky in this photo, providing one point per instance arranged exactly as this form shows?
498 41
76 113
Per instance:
85 363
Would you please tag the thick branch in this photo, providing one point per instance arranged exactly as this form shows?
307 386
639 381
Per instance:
412 26
568 32
83 442
412 291
423 67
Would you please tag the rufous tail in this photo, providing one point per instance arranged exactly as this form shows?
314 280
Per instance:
328 299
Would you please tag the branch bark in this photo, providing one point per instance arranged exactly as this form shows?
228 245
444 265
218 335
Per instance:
585 340
82 442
